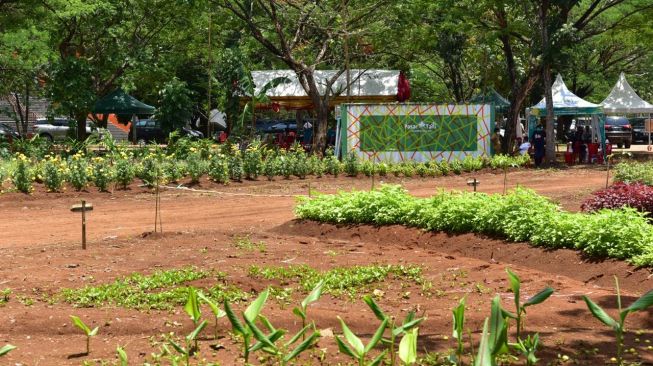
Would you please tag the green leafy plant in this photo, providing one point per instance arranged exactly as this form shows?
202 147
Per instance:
253 160
641 304
352 166
78 172
313 296
125 172
88 331
219 169
528 348
520 309
22 174
407 325
6 349
217 312
355 348
188 349
103 173
122 356
192 308
196 167
458 330
54 174
408 347
250 315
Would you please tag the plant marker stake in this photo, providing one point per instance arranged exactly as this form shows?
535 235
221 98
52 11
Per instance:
82 208
474 183
309 189
607 177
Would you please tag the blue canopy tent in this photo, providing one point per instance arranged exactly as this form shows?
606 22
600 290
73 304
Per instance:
566 103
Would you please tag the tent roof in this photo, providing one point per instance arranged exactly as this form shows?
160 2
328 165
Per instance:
364 83
566 101
623 99
493 97
119 102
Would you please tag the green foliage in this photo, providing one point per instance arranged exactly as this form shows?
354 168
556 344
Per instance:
22 175
641 304
78 172
196 167
175 105
219 169
103 173
634 172
235 161
458 329
528 347
408 347
341 280
355 348
85 328
54 174
520 309
352 166
253 161
124 170
6 349
521 215
160 290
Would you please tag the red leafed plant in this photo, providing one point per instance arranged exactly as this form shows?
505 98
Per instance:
636 195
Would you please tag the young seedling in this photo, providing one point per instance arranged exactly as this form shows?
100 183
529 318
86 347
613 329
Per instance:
458 325
409 322
515 286
217 312
6 349
192 308
266 343
640 304
252 313
188 350
312 297
356 350
89 333
528 347
122 356
408 347
484 356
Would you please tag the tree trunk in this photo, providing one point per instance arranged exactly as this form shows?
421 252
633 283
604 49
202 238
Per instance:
26 120
81 127
550 154
320 128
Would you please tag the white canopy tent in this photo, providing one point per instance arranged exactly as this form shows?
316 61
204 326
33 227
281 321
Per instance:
624 100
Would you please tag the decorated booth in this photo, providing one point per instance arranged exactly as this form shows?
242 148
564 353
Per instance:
624 100
415 132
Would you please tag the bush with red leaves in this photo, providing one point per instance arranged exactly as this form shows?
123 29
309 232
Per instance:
636 195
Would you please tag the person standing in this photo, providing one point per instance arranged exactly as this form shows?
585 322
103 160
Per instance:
496 141
539 141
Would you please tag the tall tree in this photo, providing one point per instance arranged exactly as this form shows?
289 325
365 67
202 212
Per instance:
307 36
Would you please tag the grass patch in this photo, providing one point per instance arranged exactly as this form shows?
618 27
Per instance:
162 290
338 281
246 243
4 296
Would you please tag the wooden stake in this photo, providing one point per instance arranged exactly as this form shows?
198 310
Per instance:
84 224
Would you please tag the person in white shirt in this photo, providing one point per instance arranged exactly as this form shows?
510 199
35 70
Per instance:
525 146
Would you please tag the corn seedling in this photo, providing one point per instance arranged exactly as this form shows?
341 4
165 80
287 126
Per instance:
484 356
528 347
640 304
251 314
266 343
458 329
408 347
6 349
122 356
187 350
312 297
355 348
515 286
89 333
192 308
409 323
217 312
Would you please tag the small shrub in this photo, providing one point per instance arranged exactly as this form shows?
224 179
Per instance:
219 169
196 167
382 168
102 173
54 174
270 168
125 172
422 170
235 162
634 172
352 167
635 195
78 172
367 168
22 175
253 161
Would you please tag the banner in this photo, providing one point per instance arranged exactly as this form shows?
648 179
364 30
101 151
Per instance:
417 132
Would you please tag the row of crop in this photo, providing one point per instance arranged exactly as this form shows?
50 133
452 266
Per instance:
634 172
121 168
521 215
256 333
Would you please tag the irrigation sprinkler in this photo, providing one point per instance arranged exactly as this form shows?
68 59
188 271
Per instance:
83 207
474 183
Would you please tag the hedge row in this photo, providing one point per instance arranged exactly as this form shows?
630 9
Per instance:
521 215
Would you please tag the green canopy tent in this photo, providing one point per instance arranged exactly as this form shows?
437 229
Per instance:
491 96
121 104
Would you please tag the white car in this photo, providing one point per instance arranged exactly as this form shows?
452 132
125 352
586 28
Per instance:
56 129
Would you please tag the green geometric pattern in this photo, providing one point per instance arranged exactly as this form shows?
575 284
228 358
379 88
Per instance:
410 133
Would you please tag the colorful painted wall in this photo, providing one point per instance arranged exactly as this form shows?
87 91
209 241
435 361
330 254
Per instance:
418 132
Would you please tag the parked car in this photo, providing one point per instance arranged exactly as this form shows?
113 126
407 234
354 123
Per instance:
57 129
8 133
150 130
639 132
619 131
